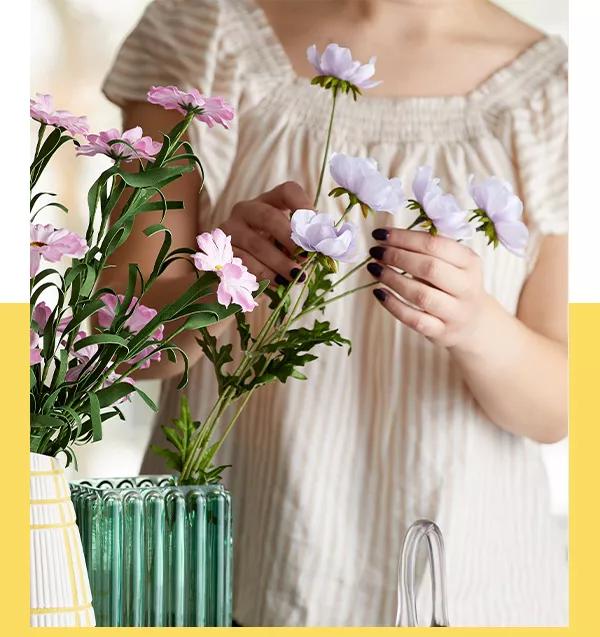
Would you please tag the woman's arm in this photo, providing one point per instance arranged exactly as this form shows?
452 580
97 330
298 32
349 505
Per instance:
516 367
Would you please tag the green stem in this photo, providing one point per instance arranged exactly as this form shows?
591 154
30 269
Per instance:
346 211
326 153
331 300
39 140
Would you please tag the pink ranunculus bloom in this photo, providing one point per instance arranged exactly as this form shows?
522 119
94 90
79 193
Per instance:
503 209
216 251
42 110
41 314
236 285
442 209
35 354
210 110
336 61
317 232
138 146
52 244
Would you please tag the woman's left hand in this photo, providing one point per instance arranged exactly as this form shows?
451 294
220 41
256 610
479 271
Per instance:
444 298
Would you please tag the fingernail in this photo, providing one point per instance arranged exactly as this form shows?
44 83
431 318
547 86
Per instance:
280 280
381 234
380 294
295 272
377 252
375 269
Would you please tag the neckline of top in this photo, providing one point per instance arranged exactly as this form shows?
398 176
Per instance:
535 63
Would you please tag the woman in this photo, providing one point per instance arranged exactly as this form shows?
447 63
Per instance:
439 409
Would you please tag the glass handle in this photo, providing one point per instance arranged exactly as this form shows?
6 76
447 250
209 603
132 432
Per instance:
406 614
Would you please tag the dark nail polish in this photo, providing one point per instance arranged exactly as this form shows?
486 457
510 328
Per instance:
294 272
380 294
280 280
377 252
375 269
381 234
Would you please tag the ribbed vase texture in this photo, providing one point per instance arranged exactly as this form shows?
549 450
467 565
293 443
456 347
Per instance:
59 587
158 554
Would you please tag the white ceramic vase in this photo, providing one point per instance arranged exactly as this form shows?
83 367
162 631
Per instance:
59 586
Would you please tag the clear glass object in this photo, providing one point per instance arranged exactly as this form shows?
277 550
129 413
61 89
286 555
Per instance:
157 554
428 532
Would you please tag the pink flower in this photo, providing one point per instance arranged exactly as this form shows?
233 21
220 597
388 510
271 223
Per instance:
336 61
137 147
216 251
35 354
237 285
53 244
210 110
42 110
41 314
139 318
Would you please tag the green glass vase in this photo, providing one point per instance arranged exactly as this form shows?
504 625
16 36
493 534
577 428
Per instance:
157 554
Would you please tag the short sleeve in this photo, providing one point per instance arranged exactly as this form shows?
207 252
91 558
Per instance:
540 141
185 43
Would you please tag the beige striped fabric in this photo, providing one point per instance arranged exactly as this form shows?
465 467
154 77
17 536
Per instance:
328 474
59 586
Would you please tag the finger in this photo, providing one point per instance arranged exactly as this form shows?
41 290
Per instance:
421 295
266 218
287 196
432 270
443 248
258 269
420 322
264 251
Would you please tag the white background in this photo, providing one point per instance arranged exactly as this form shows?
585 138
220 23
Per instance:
72 44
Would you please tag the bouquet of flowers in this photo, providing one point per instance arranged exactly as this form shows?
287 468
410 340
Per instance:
282 347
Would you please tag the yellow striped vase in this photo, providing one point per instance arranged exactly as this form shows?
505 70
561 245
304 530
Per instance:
59 586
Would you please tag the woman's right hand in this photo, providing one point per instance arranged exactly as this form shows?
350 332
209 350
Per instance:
260 232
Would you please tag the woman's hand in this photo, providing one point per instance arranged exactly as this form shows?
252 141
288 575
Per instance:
260 232
444 298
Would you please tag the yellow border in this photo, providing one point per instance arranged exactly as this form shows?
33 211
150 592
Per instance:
584 494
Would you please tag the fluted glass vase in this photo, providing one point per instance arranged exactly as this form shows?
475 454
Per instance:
158 554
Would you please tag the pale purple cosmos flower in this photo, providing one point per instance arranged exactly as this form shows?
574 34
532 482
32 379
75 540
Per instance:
359 178
500 212
40 315
440 213
236 285
210 110
336 61
317 232
137 146
139 318
42 110
52 244
215 251
35 353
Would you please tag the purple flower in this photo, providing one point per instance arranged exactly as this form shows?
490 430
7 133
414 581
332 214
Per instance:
336 62
137 146
210 110
317 232
35 354
139 318
40 315
52 244
500 213
359 178
42 110
439 212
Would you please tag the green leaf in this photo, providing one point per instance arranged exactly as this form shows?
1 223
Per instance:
144 396
114 393
100 339
95 417
159 205
154 176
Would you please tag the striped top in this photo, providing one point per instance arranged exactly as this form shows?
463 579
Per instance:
327 474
